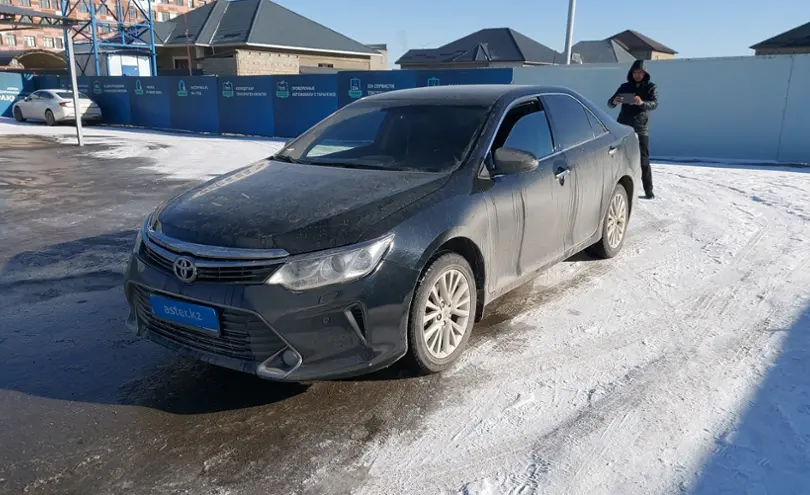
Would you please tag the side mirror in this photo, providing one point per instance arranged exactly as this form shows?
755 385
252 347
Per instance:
510 161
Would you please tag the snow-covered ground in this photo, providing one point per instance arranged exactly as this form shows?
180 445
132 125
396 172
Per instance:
682 365
179 155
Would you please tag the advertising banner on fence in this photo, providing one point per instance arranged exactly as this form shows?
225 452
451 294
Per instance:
150 102
454 77
11 87
246 105
302 101
194 103
111 95
356 84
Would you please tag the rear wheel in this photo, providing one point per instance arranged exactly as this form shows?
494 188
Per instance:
49 118
442 314
18 115
614 228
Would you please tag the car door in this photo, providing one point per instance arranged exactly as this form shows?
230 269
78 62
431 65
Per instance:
29 105
583 150
531 214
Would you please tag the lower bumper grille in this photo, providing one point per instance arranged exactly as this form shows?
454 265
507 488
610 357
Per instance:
242 336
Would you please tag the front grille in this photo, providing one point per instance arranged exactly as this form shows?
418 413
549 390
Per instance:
242 336
222 271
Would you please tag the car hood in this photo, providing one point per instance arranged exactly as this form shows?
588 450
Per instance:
298 208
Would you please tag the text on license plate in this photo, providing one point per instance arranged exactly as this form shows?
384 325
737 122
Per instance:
184 313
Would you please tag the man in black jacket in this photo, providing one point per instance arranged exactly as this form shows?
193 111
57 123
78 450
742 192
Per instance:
635 113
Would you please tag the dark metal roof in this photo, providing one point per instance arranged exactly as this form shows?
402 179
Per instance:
601 52
633 40
253 22
796 37
486 45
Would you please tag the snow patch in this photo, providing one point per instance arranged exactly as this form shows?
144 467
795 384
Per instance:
179 156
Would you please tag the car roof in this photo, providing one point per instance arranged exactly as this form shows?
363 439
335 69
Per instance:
468 93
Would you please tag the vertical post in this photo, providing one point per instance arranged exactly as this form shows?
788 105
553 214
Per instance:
569 33
94 28
188 46
75 84
151 25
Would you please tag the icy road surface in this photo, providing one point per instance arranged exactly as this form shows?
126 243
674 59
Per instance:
681 366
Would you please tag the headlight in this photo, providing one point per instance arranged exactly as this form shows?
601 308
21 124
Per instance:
336 267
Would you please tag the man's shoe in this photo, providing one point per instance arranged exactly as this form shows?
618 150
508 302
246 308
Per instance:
650 195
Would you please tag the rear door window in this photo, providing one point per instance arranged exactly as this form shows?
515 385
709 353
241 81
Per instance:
596 125
571 124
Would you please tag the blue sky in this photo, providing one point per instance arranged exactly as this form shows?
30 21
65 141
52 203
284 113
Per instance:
695 28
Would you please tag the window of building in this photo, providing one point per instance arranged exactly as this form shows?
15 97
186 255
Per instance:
190 4
60 43
29 41
48 42
5 2
10 40
181 63
25 3
82 8
163 16
180 2
133 14
172 15
47 4
327 65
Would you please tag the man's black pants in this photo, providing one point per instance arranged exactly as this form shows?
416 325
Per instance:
646 171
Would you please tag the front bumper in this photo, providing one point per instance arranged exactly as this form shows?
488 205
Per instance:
329 333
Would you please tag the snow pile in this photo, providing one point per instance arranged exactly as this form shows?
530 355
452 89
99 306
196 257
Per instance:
180 156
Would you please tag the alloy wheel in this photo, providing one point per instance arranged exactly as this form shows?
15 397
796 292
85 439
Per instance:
446 314
616 220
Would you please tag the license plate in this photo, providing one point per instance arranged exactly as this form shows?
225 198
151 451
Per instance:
191 315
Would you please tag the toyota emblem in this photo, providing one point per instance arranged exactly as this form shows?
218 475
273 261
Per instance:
185 270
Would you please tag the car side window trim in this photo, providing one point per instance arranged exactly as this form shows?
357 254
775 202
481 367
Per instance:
483 172
586 141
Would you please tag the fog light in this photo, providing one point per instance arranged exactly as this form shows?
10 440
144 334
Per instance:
290 358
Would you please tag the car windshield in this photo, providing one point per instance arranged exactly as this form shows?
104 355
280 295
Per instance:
391 135
69 95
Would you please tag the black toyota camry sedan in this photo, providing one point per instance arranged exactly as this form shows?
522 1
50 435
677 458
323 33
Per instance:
383 231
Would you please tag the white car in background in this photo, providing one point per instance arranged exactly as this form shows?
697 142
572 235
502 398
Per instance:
53 106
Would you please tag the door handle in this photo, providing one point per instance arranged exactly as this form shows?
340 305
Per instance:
612 150
562 173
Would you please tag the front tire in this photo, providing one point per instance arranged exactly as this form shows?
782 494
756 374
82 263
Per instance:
49 118
442 314
614 227
18 115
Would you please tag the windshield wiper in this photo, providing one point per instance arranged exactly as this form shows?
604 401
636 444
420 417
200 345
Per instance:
284 158
349 165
